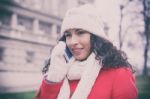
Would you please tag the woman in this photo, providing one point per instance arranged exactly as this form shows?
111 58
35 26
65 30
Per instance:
85 64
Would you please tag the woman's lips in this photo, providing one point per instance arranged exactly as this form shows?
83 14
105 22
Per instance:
76 51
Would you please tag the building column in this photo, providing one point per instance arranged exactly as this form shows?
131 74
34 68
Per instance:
14 21
35 25
54 31
55 7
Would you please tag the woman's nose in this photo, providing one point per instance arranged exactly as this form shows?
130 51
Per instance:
74 40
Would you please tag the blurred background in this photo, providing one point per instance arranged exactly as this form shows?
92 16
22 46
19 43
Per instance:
30 28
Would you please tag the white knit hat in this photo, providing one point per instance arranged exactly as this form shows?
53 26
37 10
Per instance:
85 17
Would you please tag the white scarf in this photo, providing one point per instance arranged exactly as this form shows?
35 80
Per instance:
86 72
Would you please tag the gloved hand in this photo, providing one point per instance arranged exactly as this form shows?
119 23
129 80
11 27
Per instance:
58 67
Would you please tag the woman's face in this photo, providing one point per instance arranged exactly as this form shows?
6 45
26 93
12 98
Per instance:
78 42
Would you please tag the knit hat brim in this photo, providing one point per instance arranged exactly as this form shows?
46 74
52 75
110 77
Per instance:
84 18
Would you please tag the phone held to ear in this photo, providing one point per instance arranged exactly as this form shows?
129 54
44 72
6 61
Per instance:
67 54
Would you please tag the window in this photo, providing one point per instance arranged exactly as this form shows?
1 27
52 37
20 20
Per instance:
58 29
30 56
25 23
2 49
46 27
5 17
58 32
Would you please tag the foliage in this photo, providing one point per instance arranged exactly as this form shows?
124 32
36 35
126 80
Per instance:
21 95
143 85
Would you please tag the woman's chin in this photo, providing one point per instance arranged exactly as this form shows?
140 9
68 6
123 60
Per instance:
80 58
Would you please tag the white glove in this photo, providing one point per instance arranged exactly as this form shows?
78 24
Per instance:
58 66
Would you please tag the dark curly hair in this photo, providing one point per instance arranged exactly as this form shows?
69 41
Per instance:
107 54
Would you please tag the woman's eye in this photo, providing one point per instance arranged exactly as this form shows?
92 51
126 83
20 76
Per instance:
81 32
67 34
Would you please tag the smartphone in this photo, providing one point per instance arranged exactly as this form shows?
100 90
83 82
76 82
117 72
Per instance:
67 53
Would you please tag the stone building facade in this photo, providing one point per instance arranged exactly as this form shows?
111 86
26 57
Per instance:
28 31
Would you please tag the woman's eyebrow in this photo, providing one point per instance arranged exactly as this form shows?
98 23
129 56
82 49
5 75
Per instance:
77 30
80 30
66 32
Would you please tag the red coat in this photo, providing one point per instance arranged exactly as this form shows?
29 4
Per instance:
110 84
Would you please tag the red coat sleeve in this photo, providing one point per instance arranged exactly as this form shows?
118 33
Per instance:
48 90
124 85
